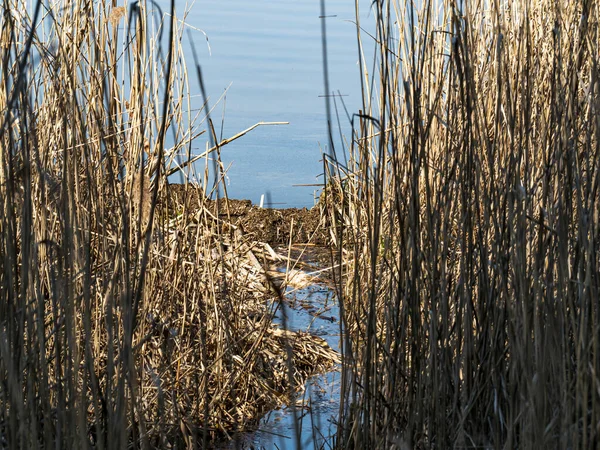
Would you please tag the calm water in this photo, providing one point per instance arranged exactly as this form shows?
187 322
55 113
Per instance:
269 53
317 408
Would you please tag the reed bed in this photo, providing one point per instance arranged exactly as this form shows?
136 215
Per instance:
467 219
129 317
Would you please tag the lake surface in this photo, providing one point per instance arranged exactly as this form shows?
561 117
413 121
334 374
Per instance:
269 55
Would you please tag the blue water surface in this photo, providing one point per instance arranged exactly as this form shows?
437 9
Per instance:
268 55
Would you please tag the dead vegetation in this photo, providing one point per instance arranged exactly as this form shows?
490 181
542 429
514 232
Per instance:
272 226
468 221
130 317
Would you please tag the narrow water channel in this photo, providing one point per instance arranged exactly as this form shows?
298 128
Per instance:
315 410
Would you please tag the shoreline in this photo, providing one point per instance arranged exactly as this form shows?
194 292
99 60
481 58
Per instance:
273 226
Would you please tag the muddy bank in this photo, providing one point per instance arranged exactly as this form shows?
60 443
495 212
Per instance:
272 226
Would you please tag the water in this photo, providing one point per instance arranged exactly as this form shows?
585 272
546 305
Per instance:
269 55
311 309
317 420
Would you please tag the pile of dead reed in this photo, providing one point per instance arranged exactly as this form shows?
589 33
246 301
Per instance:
127 318
468 216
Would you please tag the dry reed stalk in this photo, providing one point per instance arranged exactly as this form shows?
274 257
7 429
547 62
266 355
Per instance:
470 217
128 318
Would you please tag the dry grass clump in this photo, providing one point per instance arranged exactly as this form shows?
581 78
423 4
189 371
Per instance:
127 318
470 228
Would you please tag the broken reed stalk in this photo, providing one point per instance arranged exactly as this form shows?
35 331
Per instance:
470 211
128 318
221 144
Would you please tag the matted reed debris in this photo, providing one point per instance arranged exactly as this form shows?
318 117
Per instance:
241 370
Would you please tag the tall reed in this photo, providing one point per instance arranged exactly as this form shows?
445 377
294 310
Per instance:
125 313
469 219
